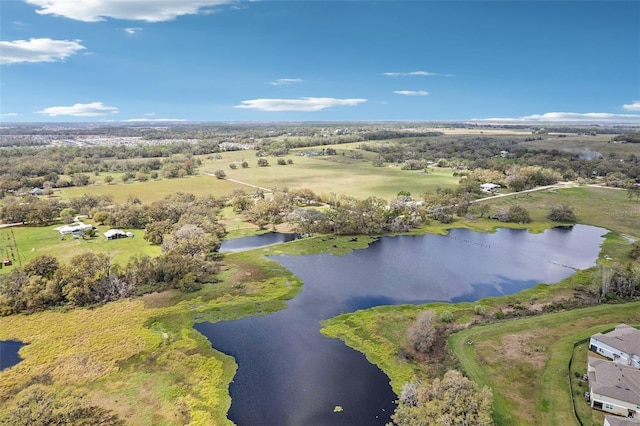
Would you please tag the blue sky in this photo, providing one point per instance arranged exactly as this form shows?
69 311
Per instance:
219 60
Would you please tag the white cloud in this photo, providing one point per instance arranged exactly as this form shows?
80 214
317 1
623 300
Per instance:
132 31
411 92
9 114
283 81
570 117
134 10
37 50
415 73
301 104
93 109
634 106
153 120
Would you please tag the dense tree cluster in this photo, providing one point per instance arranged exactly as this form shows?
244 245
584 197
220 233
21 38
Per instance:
91 279
616 281
515 213
452 400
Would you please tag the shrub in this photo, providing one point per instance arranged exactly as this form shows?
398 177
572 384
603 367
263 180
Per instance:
562 213
479 310
446 316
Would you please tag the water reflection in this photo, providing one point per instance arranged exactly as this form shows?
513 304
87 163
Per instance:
289 374
255 241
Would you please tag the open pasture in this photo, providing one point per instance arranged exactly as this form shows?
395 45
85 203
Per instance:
153 190
337 174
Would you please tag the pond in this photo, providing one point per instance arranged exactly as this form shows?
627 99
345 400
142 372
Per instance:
9 353
289 374
255 241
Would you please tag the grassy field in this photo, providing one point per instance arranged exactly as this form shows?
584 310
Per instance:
337 174
153 190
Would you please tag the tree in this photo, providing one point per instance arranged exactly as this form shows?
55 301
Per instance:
635 250
483 208
263 162
233 166
452 400
518 214
563 213
220 174
190 240
423 335
244 164
43 265
100 217
108 179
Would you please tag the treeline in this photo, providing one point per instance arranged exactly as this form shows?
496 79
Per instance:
34 167
90 279
469 153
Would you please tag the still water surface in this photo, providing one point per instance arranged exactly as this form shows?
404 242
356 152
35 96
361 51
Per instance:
9 353
289 374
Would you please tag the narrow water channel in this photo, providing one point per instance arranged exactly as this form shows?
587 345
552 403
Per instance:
289 374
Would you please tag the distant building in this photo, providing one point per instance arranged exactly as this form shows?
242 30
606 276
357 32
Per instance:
74 228
614 388
114 234
489 187
621 345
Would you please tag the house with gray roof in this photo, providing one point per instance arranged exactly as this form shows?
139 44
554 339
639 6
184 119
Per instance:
620 421
614 388
621 345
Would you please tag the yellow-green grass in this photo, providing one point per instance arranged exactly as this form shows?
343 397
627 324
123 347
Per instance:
154 190
332 174
525 361
141 357
33 241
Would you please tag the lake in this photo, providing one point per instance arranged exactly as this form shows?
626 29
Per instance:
289 374
9 353
255 241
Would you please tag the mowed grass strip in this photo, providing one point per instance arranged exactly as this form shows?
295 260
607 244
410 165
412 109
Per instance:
525 361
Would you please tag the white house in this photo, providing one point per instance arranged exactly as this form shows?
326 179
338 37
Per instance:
114 234
74 228
489 187
614 388
620 421
621 345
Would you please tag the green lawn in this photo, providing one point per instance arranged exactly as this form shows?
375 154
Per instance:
525 361
32 241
